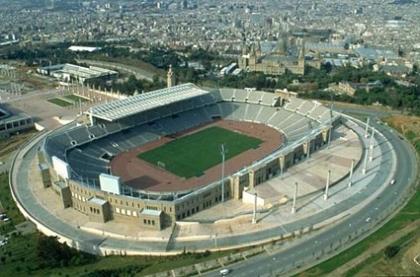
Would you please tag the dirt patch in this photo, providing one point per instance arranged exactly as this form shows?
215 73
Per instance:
405 123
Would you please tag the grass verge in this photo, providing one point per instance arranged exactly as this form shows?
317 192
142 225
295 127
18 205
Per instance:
74 98
60 102
408 214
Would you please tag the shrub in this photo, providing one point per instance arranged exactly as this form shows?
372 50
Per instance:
391 251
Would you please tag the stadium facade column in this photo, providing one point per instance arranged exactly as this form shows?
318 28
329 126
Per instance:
235 187
327 185
330 130
281 164
307 148
251 179
325 135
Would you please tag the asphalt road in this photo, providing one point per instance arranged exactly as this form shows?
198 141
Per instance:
306 250
300 253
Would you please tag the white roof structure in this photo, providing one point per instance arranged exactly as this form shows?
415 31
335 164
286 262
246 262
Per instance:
150 212
143 102
97 201
76 48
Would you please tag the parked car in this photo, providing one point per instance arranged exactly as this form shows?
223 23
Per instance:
3 242
224 272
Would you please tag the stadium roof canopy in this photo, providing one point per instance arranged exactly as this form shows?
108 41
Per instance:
143 102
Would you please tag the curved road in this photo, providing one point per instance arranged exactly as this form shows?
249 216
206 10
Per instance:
301 251
306 251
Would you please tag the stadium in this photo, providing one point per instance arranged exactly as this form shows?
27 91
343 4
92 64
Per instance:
160 157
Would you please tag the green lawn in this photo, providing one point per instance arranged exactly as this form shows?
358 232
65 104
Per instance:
60 102
192 155
75 98
8 206
20 258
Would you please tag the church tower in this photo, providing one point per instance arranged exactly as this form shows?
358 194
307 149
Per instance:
252 61
170 77
243 59
258 51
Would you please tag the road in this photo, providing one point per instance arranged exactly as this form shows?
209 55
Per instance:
300 253
305 252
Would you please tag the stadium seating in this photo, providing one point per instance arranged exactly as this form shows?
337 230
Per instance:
89 149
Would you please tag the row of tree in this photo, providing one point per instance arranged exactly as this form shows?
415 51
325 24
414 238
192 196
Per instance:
130 86
51 254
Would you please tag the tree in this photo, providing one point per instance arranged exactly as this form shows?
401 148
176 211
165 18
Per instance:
391 251
51 253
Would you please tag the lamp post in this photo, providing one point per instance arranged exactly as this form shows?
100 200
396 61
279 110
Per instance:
294 199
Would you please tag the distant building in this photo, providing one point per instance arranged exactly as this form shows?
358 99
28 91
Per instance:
75 48
70 72
14 123
276 62
350 88
395 69
228 69
376 54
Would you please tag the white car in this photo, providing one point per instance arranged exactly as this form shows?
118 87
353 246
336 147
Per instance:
224 272
3 242
392 182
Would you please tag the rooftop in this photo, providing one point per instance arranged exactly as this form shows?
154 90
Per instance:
76 48
143 102
97 201
151 212
85 72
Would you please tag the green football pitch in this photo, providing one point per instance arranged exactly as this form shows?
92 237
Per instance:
192 155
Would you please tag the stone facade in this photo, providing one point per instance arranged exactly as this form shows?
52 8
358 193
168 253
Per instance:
275 63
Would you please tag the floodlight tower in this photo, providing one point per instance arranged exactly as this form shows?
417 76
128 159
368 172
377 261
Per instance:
367 127
351 173
223 152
